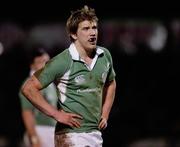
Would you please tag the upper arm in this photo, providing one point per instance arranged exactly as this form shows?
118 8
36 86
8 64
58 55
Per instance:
30 84
110 83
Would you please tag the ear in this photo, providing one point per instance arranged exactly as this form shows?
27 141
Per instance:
74 36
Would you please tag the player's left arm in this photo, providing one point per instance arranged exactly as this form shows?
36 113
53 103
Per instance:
108 99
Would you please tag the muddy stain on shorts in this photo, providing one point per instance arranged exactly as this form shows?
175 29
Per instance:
62 140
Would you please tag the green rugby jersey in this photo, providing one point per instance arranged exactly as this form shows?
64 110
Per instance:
80 86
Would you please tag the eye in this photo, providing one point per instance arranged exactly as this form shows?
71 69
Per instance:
94 27
85 28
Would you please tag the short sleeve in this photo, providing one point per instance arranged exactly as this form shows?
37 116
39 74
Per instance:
111 74
54 69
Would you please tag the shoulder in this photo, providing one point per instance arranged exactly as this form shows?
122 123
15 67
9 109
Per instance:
62 58
106 51
57 65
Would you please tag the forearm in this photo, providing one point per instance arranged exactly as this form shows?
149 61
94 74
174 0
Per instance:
108 97
31 90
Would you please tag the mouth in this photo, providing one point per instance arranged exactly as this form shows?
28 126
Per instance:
92 40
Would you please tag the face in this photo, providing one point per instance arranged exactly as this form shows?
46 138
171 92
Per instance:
86 36
40 61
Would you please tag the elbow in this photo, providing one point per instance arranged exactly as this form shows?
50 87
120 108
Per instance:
28 88
25 89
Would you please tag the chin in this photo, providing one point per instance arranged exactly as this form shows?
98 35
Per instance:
93 45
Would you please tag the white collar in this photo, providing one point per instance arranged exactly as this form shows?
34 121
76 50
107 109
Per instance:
75 55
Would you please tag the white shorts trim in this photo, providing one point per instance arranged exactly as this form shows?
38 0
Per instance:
92 139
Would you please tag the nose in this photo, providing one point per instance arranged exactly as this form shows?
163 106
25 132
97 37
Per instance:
93 31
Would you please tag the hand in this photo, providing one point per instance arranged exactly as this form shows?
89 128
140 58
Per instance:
103 123
70 119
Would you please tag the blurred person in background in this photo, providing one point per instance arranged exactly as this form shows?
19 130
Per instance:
39 129
85 79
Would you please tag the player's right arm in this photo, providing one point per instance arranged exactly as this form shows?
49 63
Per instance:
31 90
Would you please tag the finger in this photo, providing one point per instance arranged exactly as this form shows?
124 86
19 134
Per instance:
103 123
104 120
77 116
76 123
100 124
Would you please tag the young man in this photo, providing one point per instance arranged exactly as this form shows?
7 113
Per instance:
85 79
39 128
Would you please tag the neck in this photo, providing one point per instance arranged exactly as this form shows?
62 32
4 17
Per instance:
85 53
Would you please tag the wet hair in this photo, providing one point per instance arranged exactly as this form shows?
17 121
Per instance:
85 13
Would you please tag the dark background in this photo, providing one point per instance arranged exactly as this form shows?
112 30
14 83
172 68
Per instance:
147 97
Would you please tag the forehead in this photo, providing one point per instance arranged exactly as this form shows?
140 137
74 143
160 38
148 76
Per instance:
87 23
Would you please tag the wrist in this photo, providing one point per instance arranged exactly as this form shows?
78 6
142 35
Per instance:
104 117
55 114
